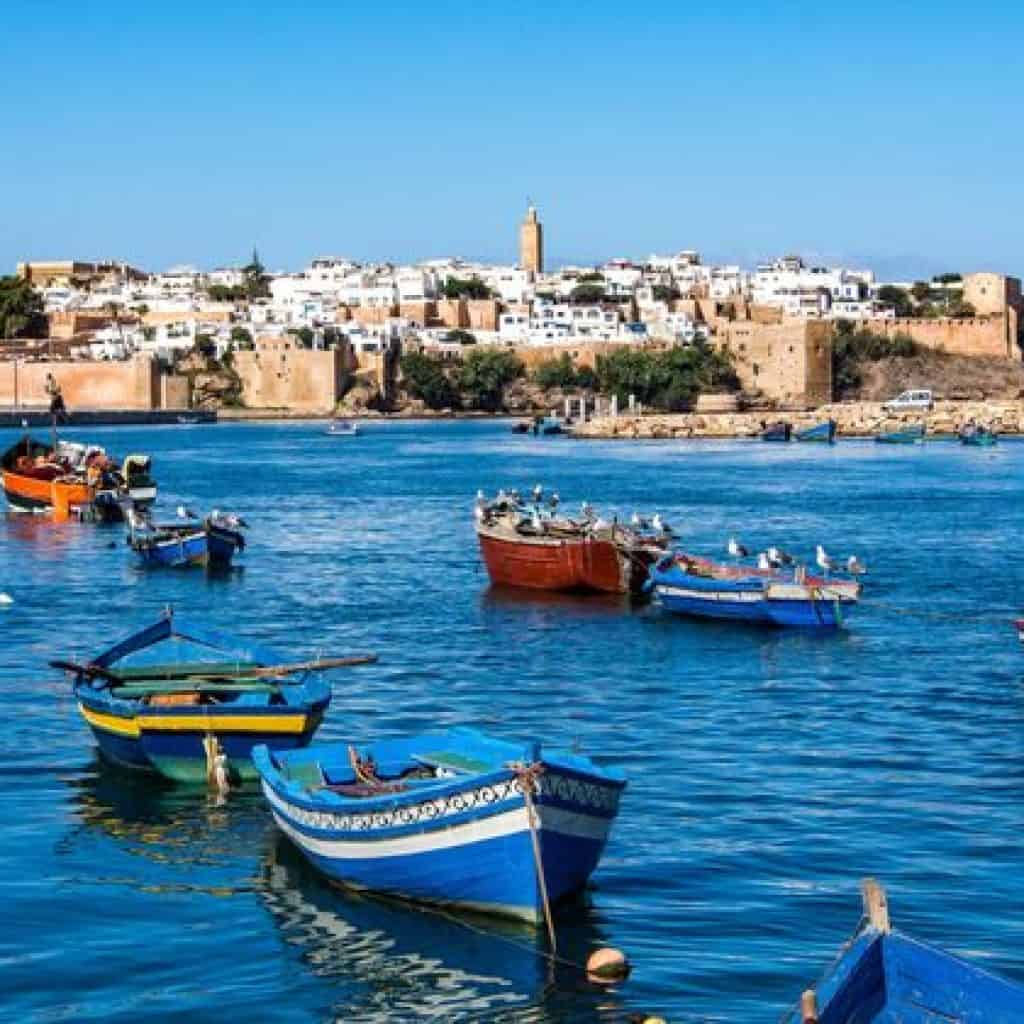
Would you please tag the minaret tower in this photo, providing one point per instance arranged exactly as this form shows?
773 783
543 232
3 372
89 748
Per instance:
531 242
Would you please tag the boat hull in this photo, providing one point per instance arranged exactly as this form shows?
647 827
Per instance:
180 552
820 433
480 858
544 563
753 608
32 494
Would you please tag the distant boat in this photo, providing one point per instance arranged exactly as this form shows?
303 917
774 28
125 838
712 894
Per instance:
824 432
521 427
977 436
342 428
455 818
909 435
548 425
153 698
189 421
884 975
703 589
780 431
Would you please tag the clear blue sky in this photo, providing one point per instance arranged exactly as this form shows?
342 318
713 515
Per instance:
186 132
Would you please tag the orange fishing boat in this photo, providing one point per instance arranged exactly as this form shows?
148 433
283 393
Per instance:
529 546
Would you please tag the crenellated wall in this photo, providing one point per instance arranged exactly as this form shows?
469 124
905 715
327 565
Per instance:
132 384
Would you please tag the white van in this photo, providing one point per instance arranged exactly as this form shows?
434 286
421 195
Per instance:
920 399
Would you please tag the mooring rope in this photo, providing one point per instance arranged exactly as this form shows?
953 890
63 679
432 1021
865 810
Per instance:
527 776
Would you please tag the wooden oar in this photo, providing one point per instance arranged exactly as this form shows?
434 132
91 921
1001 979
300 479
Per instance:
87 670
320 665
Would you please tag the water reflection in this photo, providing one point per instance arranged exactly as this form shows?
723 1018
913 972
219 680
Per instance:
393 961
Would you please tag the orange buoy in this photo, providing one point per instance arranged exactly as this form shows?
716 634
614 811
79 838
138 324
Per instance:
606 966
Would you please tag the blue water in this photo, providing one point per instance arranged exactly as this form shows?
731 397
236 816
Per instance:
769 771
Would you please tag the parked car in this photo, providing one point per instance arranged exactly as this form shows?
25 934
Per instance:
919 399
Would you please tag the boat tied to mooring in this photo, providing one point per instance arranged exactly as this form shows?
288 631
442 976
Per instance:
977 435
882 976
698 587
68 479
190 541
455 818
781 431
175 696
822 433
912 434
531 544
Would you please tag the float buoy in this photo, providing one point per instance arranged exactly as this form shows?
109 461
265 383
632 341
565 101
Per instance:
606 966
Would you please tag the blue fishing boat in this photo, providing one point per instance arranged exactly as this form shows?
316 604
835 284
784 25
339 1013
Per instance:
342 428
700 588
780 431
212 542
885 977
908 435
455 818
172 697
824 433
977 436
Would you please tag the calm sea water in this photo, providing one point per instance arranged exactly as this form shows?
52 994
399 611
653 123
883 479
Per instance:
769 771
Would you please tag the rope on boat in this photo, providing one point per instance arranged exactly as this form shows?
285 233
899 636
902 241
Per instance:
527 776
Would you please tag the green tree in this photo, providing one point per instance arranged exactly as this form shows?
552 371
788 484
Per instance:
590 276
303 335
426 378
587 294
485 373
665 293
462 337
947 278
921 290
226 293
898 298
852 347
21 310
205 345
256 283
469 288
556 373
241 338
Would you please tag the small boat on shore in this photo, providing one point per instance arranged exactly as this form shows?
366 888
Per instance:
823 433
975 435
698 587
530 545
342 428
172 697
913 434
882 975
455 818
211 542
781 431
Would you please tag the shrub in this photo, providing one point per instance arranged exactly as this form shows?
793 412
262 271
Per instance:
851 347
556 373
426 378
485 372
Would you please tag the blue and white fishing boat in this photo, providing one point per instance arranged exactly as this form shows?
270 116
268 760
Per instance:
698 587
211 542
455 818
975 435
824 432
342 428
172 696
885 977
781 431
913 434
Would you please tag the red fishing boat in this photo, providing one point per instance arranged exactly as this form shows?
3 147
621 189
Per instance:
530 546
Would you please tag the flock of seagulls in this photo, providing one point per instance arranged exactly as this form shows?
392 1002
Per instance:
776 558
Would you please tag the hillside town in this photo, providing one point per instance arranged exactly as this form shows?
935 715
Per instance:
114 335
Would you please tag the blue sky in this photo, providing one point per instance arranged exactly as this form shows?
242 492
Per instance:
882 134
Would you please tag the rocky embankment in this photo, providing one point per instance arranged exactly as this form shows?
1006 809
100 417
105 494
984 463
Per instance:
855 419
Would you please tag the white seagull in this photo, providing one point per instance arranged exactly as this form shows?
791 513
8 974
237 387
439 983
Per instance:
823 560
763 561
778 557
736 549
660 525
638 522
855 567
538 492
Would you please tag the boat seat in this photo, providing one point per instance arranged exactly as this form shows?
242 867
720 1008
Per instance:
449 761
307 774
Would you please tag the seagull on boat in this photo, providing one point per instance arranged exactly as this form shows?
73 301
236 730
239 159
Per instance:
855 567
638 522
478 512
587 510
481 498
554 500
536 521
659 524
763 561
538 492
824 561
779 558
185 513
736 549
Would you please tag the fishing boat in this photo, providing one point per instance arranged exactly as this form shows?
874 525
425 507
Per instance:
1018 624
456 818
548 426
211 542
913 434
188 421
780 431
698 587
520 427
977 436
67 480
882 976
154 698
342 428
528 544
824 432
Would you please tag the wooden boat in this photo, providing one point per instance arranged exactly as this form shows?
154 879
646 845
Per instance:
883 977
342 428
913 434
780 431
152 699
456 818
211 542
548 426
698 587
521 427
977 436
69 480
528 546
824 432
